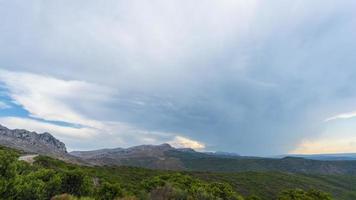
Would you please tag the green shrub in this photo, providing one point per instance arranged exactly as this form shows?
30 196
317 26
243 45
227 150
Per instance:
28 188
252 197
108 191
69 197
177 186
298 194
8 172
77 183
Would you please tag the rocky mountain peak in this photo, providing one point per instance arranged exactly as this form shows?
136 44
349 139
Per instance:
3 127
29 141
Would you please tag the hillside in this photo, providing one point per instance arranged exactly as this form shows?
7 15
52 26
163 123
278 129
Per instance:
148 156
167 157
239 164
133 181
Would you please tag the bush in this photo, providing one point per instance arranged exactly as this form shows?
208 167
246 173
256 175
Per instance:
28 188
177 186
223 191
298 194
69 197
52 180
108 191
77 183
8 172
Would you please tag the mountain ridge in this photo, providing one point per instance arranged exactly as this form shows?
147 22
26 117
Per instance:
30 142
166 157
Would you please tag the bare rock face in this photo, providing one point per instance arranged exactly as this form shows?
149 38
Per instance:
31 142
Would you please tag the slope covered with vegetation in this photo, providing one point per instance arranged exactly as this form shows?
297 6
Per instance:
201 162
49 178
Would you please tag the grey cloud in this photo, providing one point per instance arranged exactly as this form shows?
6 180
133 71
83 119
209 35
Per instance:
252 77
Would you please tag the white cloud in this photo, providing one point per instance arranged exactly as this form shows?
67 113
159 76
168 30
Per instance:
52 99
342 116
183 142
40 127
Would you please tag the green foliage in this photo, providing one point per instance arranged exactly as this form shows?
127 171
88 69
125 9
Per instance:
7 164
298 194
70 197
20 181
7 172
178 186
76 182
252 197
319 195
222 191
53 179
28 188
108 191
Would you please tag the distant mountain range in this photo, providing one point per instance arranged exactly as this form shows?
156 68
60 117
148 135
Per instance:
337 156
169 158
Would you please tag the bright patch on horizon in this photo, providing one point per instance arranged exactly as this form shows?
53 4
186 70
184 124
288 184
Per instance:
326 146
182 142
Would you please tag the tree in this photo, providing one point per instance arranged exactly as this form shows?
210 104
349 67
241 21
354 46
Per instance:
178 186
76 182
8 171
28 188
223 191
52 181
298 194
108 191
319 195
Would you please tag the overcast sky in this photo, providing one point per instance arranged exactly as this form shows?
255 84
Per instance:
251 77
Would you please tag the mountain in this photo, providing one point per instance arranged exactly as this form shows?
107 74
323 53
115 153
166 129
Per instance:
224 154
31 142
337 156
149 156
34 143
166 157
161 156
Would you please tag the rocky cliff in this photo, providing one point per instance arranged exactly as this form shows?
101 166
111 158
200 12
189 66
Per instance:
31 142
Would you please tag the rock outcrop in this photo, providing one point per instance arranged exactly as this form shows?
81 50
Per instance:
34 143
31 142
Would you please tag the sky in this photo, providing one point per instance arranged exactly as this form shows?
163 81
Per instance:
245 76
